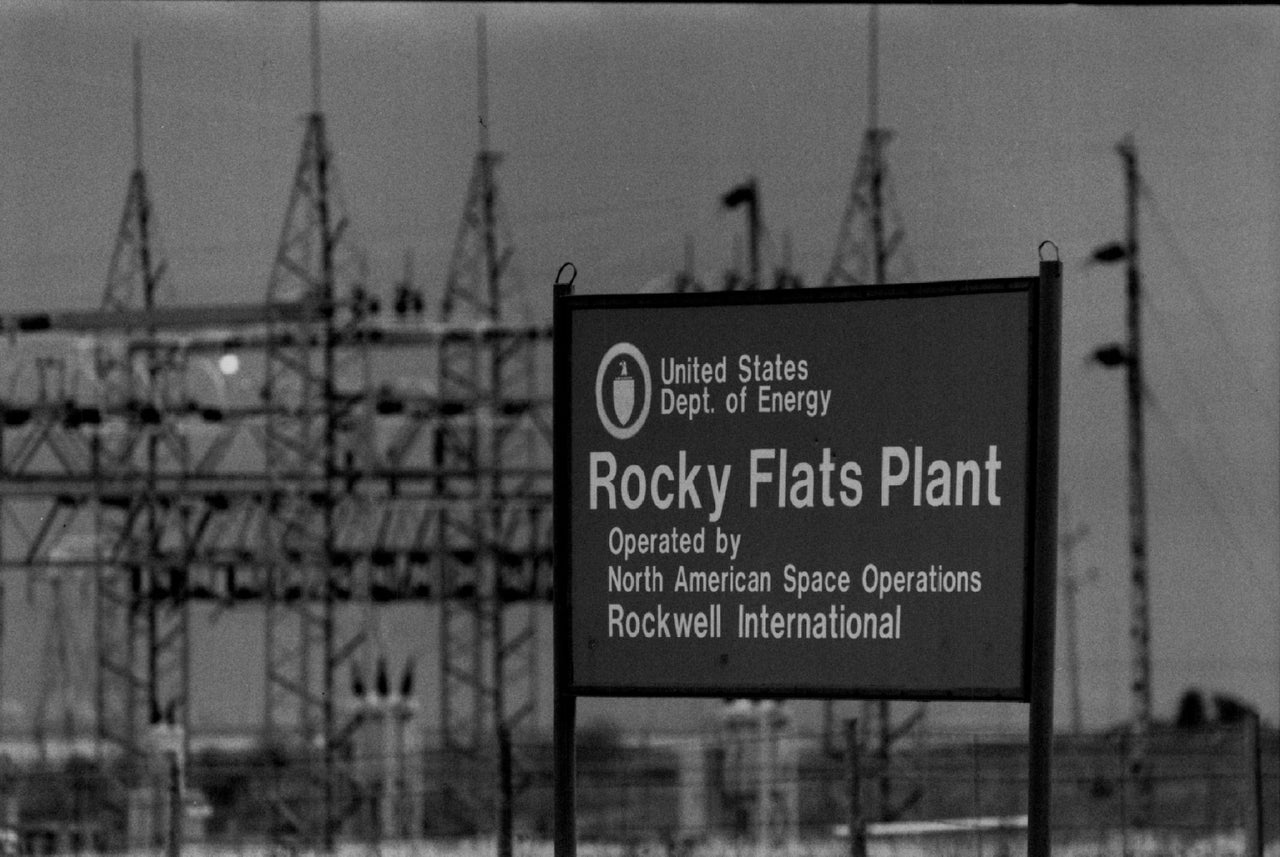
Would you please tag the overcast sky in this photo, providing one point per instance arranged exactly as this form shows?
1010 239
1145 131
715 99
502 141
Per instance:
622 126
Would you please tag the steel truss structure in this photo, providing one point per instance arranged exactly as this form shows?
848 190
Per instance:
491 454
870 252
328 490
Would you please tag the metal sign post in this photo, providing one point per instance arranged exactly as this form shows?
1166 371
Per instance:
1045 529
564 702
824 493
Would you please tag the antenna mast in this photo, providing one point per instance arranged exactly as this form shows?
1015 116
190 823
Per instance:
482 81
316 107
876 138
873 72
137 105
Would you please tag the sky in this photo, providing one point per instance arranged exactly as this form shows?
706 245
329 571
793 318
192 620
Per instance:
621 127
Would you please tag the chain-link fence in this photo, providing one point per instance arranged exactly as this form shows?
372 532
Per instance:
1199 793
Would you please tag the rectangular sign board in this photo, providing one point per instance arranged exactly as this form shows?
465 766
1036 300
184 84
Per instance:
810 493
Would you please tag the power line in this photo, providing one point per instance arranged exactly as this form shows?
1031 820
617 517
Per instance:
1216 322
1234 538
1209 423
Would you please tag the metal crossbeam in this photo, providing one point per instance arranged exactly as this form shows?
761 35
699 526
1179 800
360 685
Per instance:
322 490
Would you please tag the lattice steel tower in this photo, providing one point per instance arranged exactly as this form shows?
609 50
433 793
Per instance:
492 445
869 244
870 252
143 620
317 495
313 396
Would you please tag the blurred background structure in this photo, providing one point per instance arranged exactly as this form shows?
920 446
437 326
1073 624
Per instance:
277 563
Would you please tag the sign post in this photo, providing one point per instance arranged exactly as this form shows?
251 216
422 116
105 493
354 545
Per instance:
564 703
1040 755
824 493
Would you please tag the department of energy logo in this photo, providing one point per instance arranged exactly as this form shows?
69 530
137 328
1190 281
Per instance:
623 390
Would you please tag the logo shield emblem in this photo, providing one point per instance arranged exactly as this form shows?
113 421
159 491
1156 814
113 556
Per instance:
624 395
624 390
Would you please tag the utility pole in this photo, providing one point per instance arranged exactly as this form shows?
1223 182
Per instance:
1130 357
1067 541
1140 629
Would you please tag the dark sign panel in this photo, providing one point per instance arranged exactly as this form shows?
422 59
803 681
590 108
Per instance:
812 493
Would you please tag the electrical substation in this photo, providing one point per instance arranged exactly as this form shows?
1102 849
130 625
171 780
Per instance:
163 462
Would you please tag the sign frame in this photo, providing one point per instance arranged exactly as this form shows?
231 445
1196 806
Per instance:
1039 534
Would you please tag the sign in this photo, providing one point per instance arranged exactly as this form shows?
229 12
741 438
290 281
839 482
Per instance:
824 492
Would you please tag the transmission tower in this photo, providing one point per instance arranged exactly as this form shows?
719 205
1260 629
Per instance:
142 627
488 450
312 395
319 495
869 244
869 251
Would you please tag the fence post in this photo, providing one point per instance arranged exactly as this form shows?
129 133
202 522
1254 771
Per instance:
857 825
764 779
1253 781
174 839
1124 793
977 786
506 786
